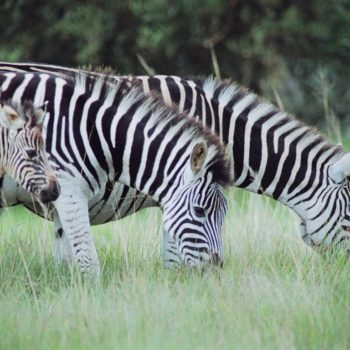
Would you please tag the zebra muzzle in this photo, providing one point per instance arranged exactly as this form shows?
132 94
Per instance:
50 193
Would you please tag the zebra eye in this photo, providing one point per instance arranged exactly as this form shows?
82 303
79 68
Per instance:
199 212
31 153
346 228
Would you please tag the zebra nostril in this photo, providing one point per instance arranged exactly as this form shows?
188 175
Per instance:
56 189
50 193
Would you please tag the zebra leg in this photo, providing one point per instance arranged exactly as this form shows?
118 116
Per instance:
171 258
63 250
72 210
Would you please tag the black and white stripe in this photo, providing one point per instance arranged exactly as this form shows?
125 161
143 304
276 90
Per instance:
274 154
100 132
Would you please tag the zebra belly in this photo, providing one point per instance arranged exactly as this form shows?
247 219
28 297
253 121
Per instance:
117 204
114 203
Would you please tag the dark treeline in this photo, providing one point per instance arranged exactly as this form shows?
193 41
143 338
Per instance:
293 51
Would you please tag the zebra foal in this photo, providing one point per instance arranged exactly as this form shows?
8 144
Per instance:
22 154
100 133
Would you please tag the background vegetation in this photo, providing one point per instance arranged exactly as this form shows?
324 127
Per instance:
296 50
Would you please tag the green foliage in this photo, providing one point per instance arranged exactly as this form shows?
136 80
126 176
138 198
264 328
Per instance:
266 45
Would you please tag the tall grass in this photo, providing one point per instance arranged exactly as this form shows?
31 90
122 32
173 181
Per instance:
274 292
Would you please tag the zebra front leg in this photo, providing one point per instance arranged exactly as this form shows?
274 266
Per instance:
171 257
72 210
63 251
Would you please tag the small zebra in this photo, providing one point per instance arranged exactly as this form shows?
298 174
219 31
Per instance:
22 153
274 155
100 133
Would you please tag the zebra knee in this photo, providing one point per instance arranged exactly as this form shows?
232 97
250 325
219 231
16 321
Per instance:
59 233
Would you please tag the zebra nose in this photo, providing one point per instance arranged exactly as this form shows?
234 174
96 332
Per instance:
50 193
56 190
216 260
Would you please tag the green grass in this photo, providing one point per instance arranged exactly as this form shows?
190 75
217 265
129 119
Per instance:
273 293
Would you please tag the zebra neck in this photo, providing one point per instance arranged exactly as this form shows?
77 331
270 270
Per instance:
275 154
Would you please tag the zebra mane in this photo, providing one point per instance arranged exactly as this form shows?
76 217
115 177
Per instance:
127 93
227 92
99 70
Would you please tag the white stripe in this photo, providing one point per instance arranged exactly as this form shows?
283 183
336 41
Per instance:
20 89
182 94
194 98
7 81
40 90
63 140
124 105
165 91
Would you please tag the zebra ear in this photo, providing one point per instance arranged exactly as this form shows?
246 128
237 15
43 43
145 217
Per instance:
40 114
198 156
35 115
340 169
9 118
229 157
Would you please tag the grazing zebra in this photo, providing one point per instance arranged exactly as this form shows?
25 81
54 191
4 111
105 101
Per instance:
99 133
22 153
274 154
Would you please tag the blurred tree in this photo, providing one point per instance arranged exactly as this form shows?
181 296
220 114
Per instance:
269 45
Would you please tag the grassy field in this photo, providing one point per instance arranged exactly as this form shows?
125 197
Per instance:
273 293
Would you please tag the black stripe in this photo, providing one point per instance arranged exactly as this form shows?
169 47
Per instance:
273 159
121 132
287 167
30 89
15 82
137 149
154 84
174 90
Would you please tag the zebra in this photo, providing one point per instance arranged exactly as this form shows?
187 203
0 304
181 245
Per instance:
100 133
275 154
22 154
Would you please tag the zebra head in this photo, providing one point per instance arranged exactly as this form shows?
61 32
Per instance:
22 154
194 216
327 217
